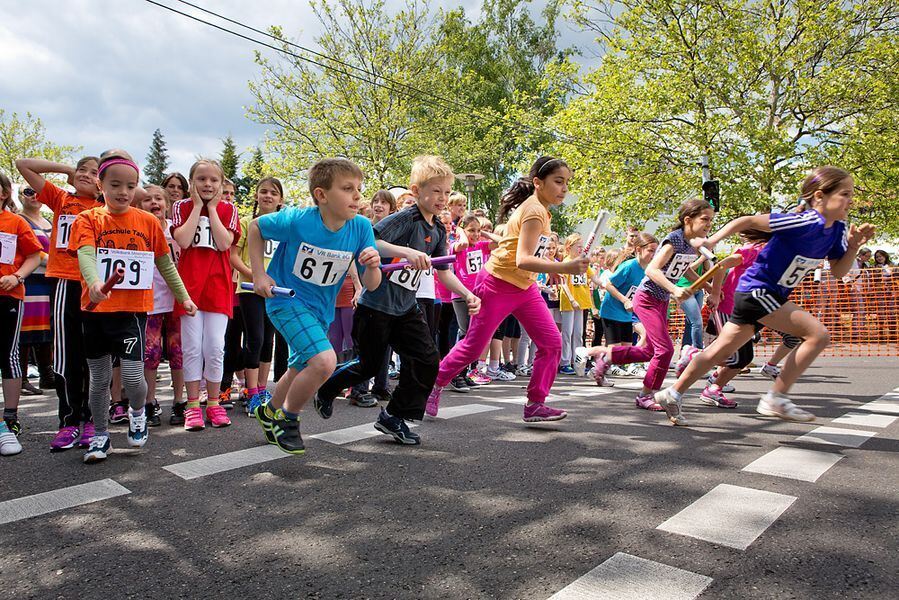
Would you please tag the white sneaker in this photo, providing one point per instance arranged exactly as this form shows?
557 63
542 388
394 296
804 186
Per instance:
524 371
636 370
137 429
616 371
781 406
772 371
499 374
580 361
9 444
98 449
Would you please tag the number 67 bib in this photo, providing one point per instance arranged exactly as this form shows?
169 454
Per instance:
320 266
137 264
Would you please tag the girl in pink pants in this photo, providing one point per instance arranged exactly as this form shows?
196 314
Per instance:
507 286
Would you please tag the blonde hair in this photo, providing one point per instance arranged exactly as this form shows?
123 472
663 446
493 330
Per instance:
457 198
428 167
206 161
571 240
484 221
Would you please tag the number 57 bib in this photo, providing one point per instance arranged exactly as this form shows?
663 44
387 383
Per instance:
320 266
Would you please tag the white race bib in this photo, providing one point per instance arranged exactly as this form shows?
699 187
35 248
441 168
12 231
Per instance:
7 248
138 266
579 279
542 246
203 235
797 270
268 250
631 293
474 261
678 266
407 278
320 266
64 230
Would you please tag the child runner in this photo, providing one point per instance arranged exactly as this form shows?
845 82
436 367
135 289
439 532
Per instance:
317 246
390 314
572 305
232 361
69 365
205 226
507 286
673 259
106 238
798 243
20 254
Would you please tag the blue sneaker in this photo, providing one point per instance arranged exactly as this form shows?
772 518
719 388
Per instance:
324 408
253 403
137 429
567 370
266 396
397 428
98 450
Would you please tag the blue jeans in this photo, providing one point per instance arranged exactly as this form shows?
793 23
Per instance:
692 308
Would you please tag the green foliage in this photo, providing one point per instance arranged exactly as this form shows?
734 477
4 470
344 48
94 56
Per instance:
157 160
26 137
230 158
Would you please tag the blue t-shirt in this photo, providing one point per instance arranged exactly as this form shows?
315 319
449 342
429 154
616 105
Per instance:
798 244
684 255
310 258
626 278
408 227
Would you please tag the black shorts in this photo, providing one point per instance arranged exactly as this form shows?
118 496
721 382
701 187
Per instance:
120 334
618 332
751 307
512 327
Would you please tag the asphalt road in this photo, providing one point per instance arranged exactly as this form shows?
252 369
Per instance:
487 507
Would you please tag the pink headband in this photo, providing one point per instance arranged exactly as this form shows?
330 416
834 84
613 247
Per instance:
117 161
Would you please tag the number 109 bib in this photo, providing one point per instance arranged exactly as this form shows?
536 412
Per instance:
320 266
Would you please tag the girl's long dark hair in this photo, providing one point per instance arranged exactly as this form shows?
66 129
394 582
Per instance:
523 189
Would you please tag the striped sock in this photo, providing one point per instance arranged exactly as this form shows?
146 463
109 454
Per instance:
193 403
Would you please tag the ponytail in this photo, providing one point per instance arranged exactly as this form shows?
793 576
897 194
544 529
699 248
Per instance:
523 188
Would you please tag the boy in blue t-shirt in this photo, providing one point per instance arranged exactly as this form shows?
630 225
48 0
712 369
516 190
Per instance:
316 247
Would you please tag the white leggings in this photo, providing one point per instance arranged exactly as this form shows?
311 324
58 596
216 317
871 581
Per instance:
203 345
572 333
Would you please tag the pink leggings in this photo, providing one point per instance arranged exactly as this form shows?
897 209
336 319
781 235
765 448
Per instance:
499 299
658 349
153 350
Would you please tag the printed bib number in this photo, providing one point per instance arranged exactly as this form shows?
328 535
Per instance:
7 248
474 261
797 270
203 235
138 266
320 266
408 278
631 293
579 279
678 266
64 230
269 250
542 246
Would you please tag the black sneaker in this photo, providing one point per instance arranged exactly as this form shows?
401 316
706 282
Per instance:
153 413
397 428
267 422
458 384
28 389
14 426
324 408
384 397
509 367
177 417
287 436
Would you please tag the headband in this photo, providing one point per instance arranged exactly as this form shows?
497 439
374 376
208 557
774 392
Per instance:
117 161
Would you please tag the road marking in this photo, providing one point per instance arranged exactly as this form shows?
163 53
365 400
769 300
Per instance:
851 438
451 412
729 515
599 391
882 405
201 467
864 419
638 385
627 577
61 499
794 463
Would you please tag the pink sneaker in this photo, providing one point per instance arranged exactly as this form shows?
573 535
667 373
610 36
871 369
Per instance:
648 402
193 419
478 377
686 355
217 415
537 413
87 432
65 438
433 401
713 396
600 368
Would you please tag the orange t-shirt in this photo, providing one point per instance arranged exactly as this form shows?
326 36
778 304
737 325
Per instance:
502 263
132 240
17 242
65 207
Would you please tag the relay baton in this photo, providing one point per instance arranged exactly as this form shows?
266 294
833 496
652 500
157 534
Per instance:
281 292
727 263
115 278
600 221
437 261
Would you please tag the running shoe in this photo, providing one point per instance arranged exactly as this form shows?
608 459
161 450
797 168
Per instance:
500 375
714 396
600 368
287 435
98 449
524 371
772 371
647 402
563 370
478 377
614 370
217 415
362 400
254 402
540 412
672 407
65 438
509 367
687 354
324 408
225 400
177 416
87 433
469 381
28 389
458 384
266 419
153 415
635 370
137 429
397 428
193 419
433 401
726 388
606 382
771 405
265 395
118 413
580 361
9 444
14 426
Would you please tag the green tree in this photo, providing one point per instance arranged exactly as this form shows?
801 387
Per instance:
245 184
26 137
230 158
157 160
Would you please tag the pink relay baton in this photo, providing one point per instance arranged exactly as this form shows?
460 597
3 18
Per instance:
440 260
115 278
600 221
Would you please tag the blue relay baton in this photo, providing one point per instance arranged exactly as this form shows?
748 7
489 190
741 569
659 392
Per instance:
281 292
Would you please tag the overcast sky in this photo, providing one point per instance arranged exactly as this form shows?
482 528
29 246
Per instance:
107 73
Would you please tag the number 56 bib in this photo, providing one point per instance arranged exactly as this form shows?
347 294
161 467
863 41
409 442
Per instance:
320 266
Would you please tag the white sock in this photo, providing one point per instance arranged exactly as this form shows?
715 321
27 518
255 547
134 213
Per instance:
494 365
674 394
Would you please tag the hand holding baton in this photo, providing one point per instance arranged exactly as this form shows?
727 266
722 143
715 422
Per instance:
437 261
731 261
114 279
281 292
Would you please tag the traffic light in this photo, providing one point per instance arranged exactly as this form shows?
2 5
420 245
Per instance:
711 191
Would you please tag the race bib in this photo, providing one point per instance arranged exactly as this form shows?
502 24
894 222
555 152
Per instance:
797 270
138 266
268 250
631 293
678 266
579 279
408 278
64 230
203 235
320 266
542 246
7 248
474 261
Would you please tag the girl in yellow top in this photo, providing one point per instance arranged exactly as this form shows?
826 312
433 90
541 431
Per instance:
507 286
573 301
